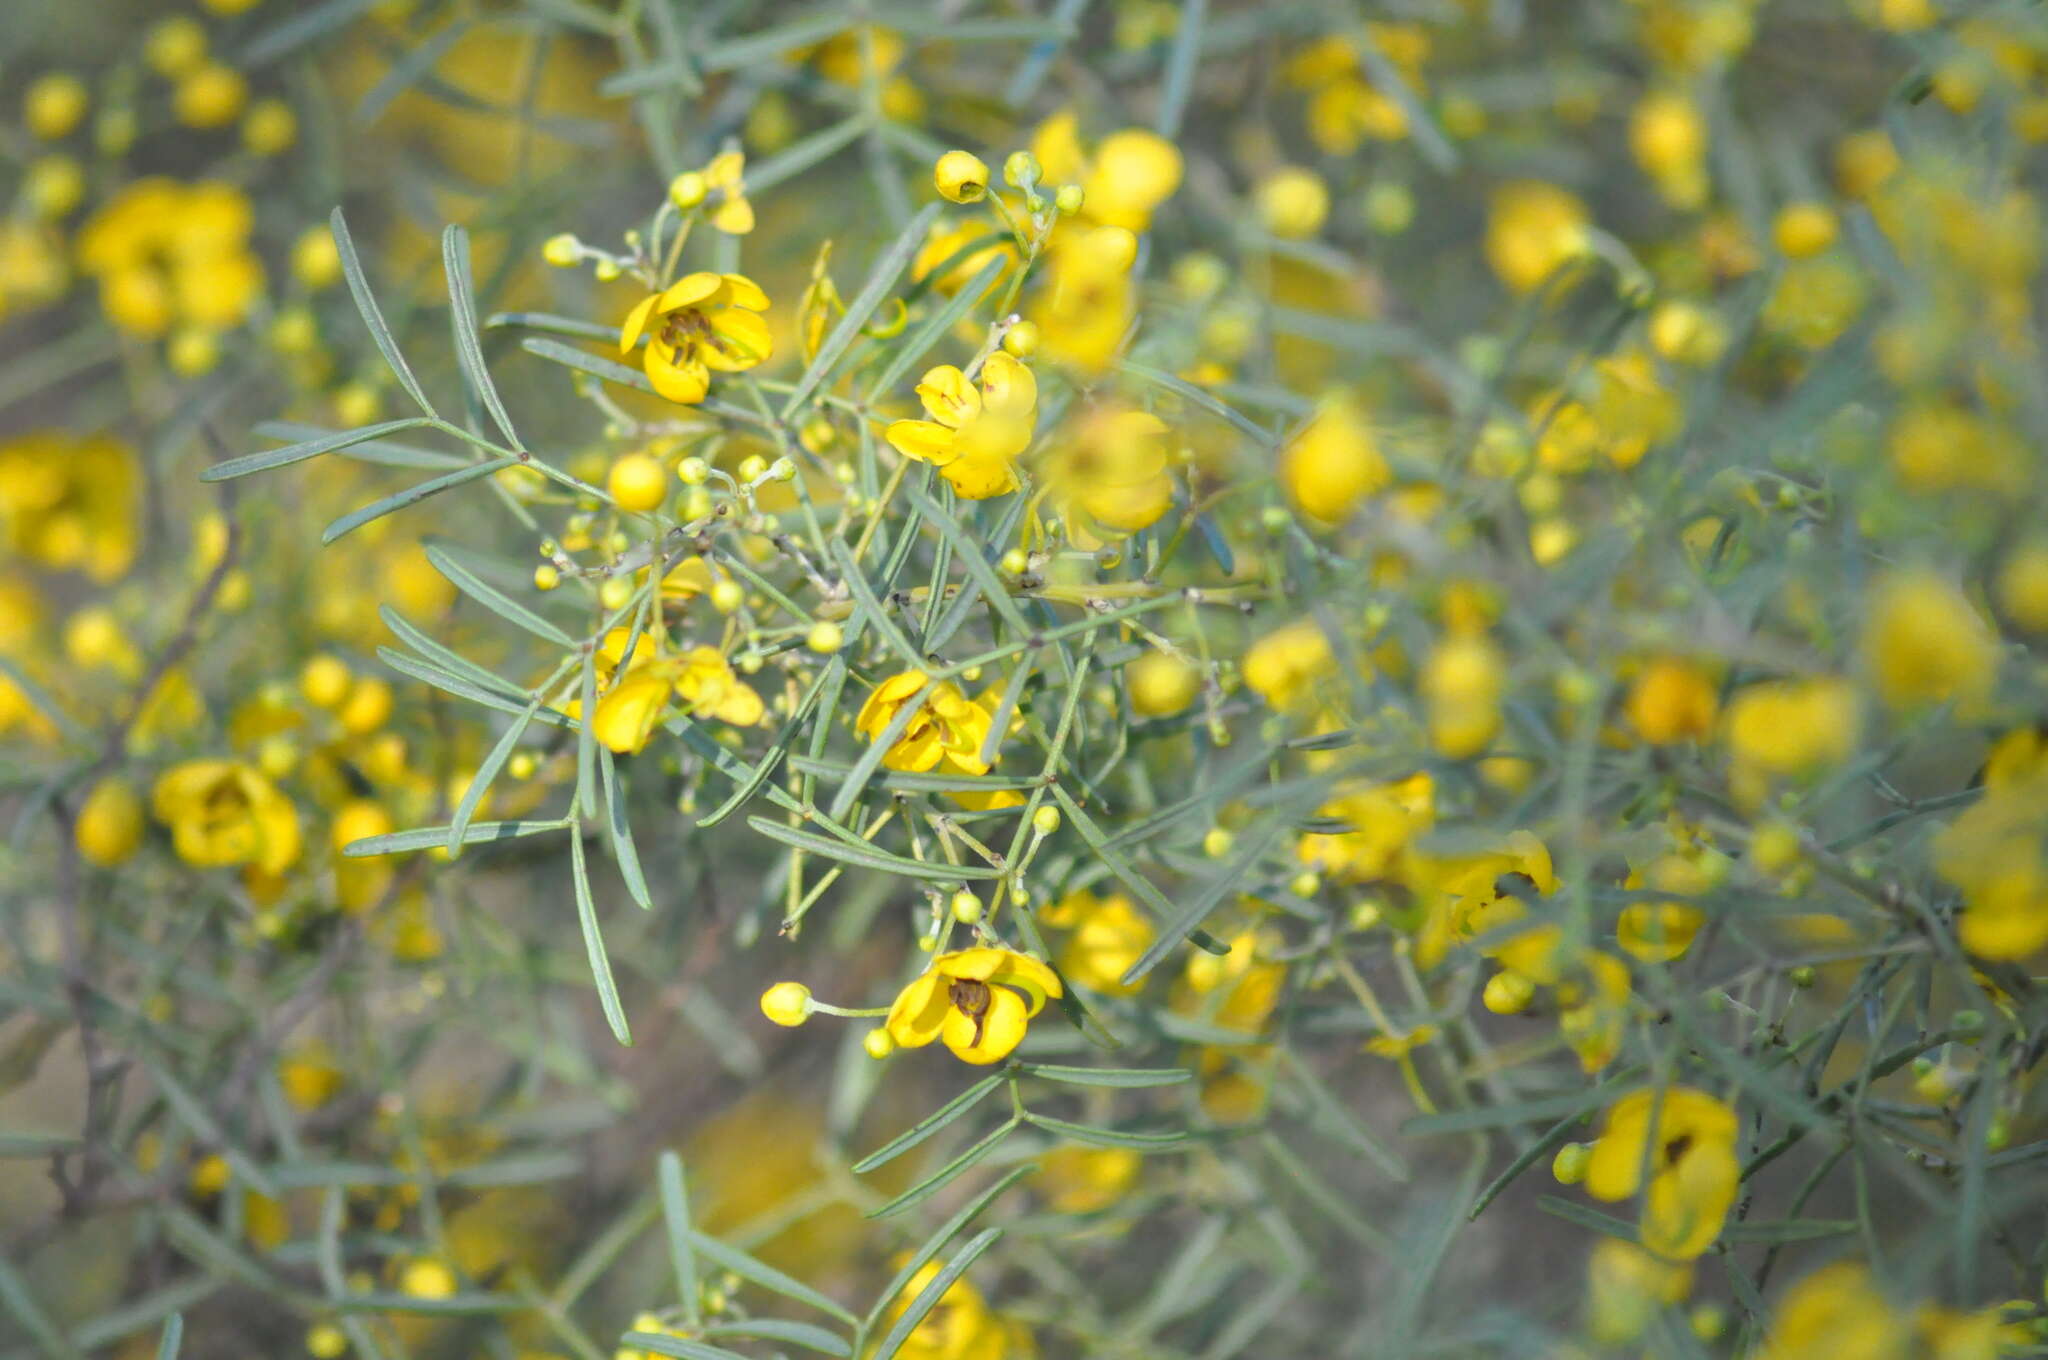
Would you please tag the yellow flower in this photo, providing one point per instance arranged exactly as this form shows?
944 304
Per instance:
109 827
1625 1288
1470 896
1288 665
1463 682
1130 175
1108 936
1672 700
961 1326
1685 1140
1925 644
1383 819
948 727
1994 853
1592 1002
166 252
725 178
1792 727
1236 991
978 1001
701 322
222 812
1109 475
1333 464
1087 1180
700 682
1531 230
975 433
1657 932
1836 1313
1089 299
69 502
1293 203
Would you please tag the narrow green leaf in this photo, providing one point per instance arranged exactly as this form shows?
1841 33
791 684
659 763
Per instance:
301 28
1109 1076
1179 80
412 495
803 1334
675 1218
1091 832
193 1114
620 828
870 605
488 696
934 327
469 352
373 316
867 857
936 1243
39 699
435 837
766 1276
658 1343
1788 1229
486 774
1574 1212
469 1303
174 1337
802 154
495 600
586 738
969 551
1194 395
20 1301
410 69
772 42
879 282
382 452
940 1179
310 448
593 944
928 1297
929 1125
1116 1138
559 325
585 362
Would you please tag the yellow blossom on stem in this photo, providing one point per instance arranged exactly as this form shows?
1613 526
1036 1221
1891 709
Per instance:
1109 476
1676 1146
947 728
222 812
700 682
978 1001
700 323
1334 463
976 431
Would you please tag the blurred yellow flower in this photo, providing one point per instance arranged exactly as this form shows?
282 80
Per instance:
948 727
1684 1141
70 502
1108 474
1532 229
223 812
1333 464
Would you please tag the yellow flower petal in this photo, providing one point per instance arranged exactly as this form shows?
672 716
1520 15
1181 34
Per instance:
977 479
626 716
740 340
692 290
746 293
682 380
924 440
636 323
1008 388
919 1011
948 397
735 217
991 1036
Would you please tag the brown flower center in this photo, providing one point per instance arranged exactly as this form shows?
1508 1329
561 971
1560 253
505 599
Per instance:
971 997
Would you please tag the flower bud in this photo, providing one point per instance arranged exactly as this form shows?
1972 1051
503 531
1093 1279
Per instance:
965 907
546 576
825 637
1046 820
637 482
1069 199
562 250
687 190
727 596
961 177
615 593
1569 1166
1020 169
878 1043
1021 340
787 1003
109 827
